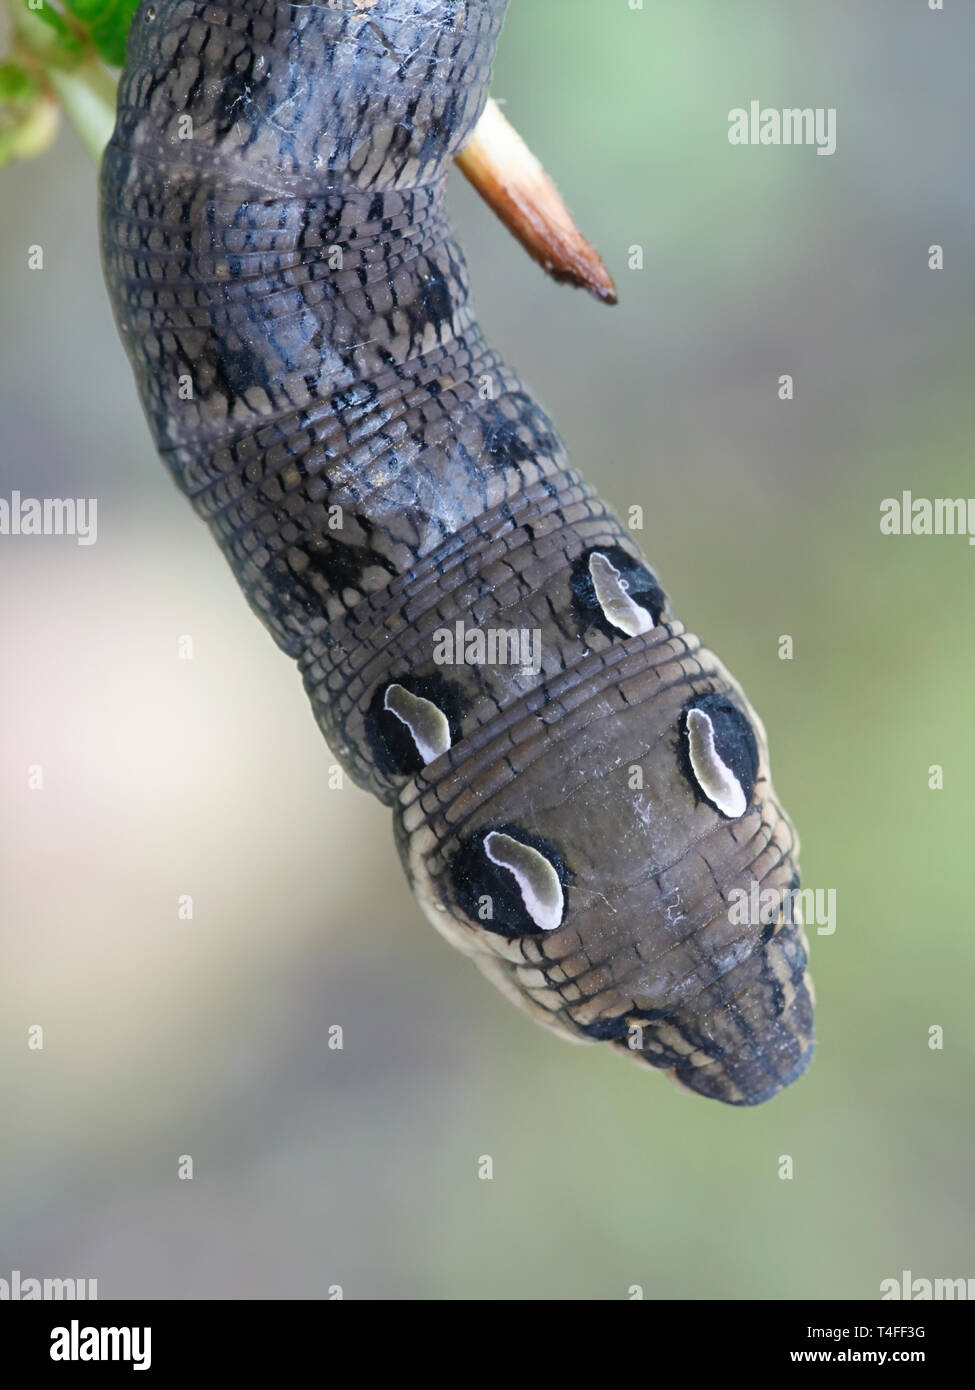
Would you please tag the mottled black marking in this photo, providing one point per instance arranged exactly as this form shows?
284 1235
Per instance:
617 1029
436 306
340 564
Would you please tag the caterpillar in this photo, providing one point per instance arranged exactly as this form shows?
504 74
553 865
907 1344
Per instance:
577 818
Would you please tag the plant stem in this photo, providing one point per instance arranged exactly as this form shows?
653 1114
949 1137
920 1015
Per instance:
88 97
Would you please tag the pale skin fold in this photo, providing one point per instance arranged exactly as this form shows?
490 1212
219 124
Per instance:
298 318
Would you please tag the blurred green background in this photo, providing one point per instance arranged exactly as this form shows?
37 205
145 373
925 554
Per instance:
209 1037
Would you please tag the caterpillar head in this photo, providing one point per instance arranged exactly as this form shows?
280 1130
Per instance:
597 856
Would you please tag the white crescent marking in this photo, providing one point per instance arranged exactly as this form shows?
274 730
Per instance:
618 607
538 883
427 724
716 779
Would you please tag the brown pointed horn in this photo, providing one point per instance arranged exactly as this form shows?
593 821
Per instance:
512 182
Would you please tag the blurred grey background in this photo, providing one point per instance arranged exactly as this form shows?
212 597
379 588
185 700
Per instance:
166 1037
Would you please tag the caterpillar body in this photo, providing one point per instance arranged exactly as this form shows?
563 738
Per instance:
297 316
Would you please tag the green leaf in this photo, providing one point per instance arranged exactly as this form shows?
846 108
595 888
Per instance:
67 41
108 22
18 87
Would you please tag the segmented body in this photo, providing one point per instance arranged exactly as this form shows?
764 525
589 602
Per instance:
298 318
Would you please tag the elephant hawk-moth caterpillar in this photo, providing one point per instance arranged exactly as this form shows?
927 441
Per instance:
297 315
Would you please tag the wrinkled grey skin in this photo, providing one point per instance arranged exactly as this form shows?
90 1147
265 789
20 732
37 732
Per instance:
298 320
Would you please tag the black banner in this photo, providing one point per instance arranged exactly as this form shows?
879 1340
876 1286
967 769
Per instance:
166 1339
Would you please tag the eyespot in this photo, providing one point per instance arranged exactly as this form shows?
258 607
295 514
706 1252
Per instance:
413 721
722 754
511 882
150 13
616 593
428 725
538 882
